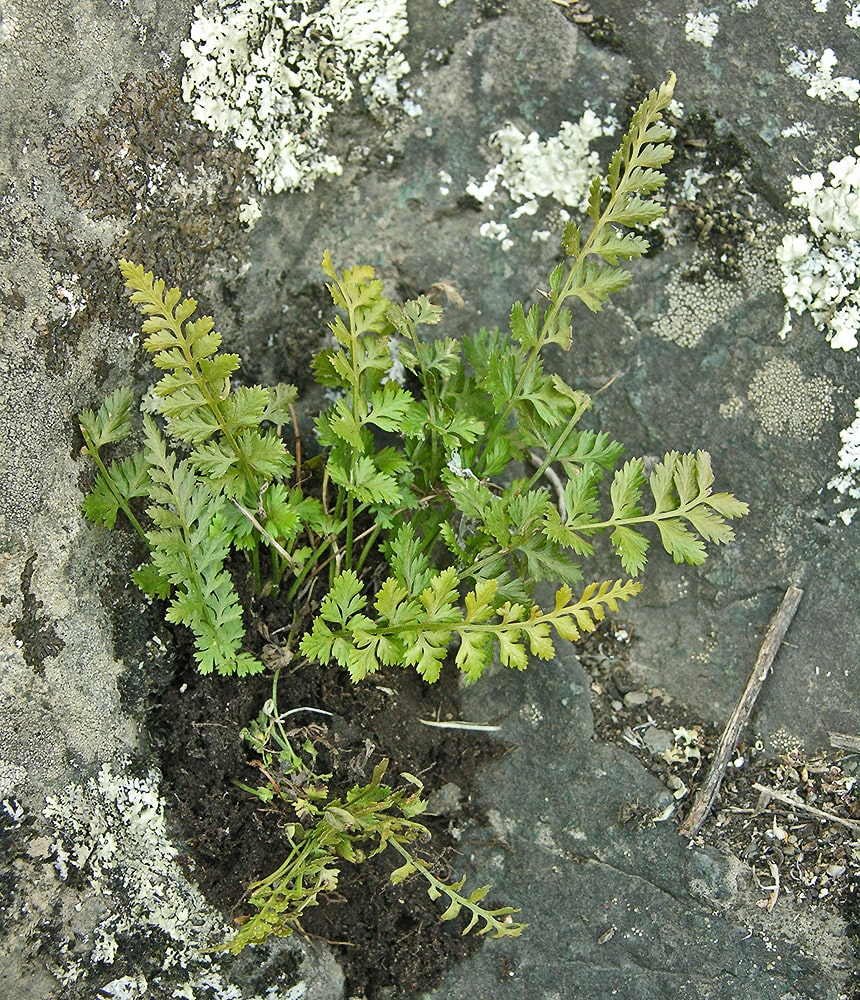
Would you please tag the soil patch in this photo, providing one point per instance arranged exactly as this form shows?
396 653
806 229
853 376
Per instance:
389 939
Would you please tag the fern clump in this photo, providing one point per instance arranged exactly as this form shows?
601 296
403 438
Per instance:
460 494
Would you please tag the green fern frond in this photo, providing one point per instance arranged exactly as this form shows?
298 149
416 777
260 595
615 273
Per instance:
416 629
686 513
189 546
223 424
121 482
110 423
496 922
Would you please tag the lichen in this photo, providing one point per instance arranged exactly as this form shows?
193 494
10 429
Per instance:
786 403
111 828
558 169
817 71
848 480
821 267
269 77
163 189
699 297
702 28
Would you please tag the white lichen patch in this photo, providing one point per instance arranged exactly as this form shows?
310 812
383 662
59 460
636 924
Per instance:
497 231
731 407
821 268
848 480
111 829
852 13
268 76
558 168
786 403
250 213
818 72
701 28
693 307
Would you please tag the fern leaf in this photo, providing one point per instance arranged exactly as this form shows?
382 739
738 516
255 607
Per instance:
280 399
525 327
125 480
613 246
344 600
681 544
626 490
571 239
407 559
390 407
595 283
110 423
189 546
366 482
631 547
414 313
151 582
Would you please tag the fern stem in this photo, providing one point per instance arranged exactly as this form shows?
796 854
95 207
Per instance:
367 548
553 452
653 518
350 515
122 503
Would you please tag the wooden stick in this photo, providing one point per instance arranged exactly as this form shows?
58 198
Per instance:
796 803
844 741
739 718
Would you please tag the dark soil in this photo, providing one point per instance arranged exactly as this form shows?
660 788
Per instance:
388 939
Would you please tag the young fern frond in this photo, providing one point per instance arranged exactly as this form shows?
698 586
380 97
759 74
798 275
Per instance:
496 922
230 447
686 513
116 485
416 629
613 201
359 825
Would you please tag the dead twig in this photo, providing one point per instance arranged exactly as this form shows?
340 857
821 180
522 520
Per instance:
770 903
844 741
477 727
797 803
276 545
739 718
551 477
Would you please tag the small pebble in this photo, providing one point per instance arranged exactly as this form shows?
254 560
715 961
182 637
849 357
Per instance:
634 698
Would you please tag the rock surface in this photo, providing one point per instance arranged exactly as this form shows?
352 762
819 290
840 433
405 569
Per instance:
88 175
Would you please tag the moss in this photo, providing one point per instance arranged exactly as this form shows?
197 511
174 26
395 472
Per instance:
711 201
174 193
599 29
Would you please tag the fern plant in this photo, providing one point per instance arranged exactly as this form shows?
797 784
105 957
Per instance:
327 830
470 487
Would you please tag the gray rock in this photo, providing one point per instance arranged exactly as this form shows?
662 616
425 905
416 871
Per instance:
613 910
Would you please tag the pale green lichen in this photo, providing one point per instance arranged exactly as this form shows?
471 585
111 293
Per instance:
788 404
269 77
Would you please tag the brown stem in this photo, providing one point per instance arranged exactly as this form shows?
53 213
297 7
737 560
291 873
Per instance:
739 718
